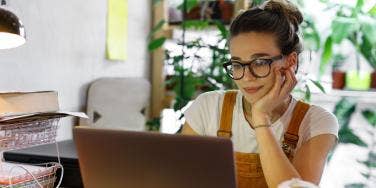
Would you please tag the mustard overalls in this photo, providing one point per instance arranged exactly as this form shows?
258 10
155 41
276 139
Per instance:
248 166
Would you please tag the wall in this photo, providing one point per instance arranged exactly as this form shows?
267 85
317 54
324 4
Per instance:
65 50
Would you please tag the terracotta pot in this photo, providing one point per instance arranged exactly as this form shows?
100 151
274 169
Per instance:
227 11
373 79
338 78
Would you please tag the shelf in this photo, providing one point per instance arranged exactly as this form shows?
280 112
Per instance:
368 97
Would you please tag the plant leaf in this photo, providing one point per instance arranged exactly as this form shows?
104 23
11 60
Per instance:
370 116
195 24
368 28
157 27
156 43
372 11
311 35
307 95
348 137
155 2
221 28
326 55
343 110
190 4
355 185
359 5
368 51
342 27
317 84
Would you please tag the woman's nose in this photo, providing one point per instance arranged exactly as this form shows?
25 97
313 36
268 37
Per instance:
248 73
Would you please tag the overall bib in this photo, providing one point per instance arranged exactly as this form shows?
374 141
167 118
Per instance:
248 165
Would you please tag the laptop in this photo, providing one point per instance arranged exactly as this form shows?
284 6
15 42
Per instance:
129 159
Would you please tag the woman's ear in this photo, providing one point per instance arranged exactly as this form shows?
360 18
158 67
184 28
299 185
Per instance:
291 60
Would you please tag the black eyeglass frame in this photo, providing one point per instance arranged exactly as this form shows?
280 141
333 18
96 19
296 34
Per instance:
249 63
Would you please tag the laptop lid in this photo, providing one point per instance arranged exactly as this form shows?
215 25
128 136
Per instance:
118 158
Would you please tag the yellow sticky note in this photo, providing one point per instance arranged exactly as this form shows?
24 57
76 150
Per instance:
117 24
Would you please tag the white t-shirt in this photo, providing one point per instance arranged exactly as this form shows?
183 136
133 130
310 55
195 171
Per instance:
205 112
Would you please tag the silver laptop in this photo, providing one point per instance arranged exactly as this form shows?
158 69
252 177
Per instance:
117 158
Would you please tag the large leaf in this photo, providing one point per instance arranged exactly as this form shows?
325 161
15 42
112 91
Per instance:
355 185
318 85
343 110
342 27
155 2
307 95
370 116
347 136
368 28
326 55
156 43
195 24
312 40
257 2
368 51
221 28
190 4
372 11
359 5
156 28
187 85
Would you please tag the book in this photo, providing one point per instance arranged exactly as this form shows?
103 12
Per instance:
18 103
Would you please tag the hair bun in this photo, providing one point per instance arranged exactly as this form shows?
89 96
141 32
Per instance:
284 8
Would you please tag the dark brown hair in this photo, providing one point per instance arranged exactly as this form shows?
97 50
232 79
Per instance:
278 17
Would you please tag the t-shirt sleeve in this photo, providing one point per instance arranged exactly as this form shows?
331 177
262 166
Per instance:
318 121
199 113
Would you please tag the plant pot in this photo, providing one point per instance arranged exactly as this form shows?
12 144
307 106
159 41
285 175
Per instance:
373 79
356 80
338 78
227 10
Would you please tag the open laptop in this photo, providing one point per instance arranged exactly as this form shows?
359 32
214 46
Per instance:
117 158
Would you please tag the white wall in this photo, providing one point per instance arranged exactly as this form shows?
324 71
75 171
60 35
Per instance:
65 50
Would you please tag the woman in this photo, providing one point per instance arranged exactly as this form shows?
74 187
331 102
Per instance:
275 137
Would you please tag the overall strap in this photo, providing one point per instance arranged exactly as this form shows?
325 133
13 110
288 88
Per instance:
226 114
291 136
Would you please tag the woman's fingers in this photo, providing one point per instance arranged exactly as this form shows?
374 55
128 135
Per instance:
289 83
277 84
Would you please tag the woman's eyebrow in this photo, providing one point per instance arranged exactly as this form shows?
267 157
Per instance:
257 55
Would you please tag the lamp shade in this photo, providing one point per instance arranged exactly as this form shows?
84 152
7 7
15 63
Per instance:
12 32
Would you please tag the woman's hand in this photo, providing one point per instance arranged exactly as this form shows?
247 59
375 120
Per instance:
262 109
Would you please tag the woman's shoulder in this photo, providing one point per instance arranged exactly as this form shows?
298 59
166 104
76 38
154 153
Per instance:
211 96
319 112
319 120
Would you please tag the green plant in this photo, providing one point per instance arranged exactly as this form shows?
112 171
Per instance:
338 61
344 109
190 76
186 81
353 24
370 162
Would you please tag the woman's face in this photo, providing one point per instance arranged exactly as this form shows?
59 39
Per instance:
248 46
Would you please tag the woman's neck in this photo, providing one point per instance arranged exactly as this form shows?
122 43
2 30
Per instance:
276 113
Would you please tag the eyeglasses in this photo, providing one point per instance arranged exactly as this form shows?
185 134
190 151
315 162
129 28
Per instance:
259 67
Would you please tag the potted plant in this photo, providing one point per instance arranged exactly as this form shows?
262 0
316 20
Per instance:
357 26
338 75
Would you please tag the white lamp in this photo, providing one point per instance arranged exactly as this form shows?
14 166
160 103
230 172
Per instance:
12 32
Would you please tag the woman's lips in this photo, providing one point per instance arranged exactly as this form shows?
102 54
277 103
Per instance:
251 90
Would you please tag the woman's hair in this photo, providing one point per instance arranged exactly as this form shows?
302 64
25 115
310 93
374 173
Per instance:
278 17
